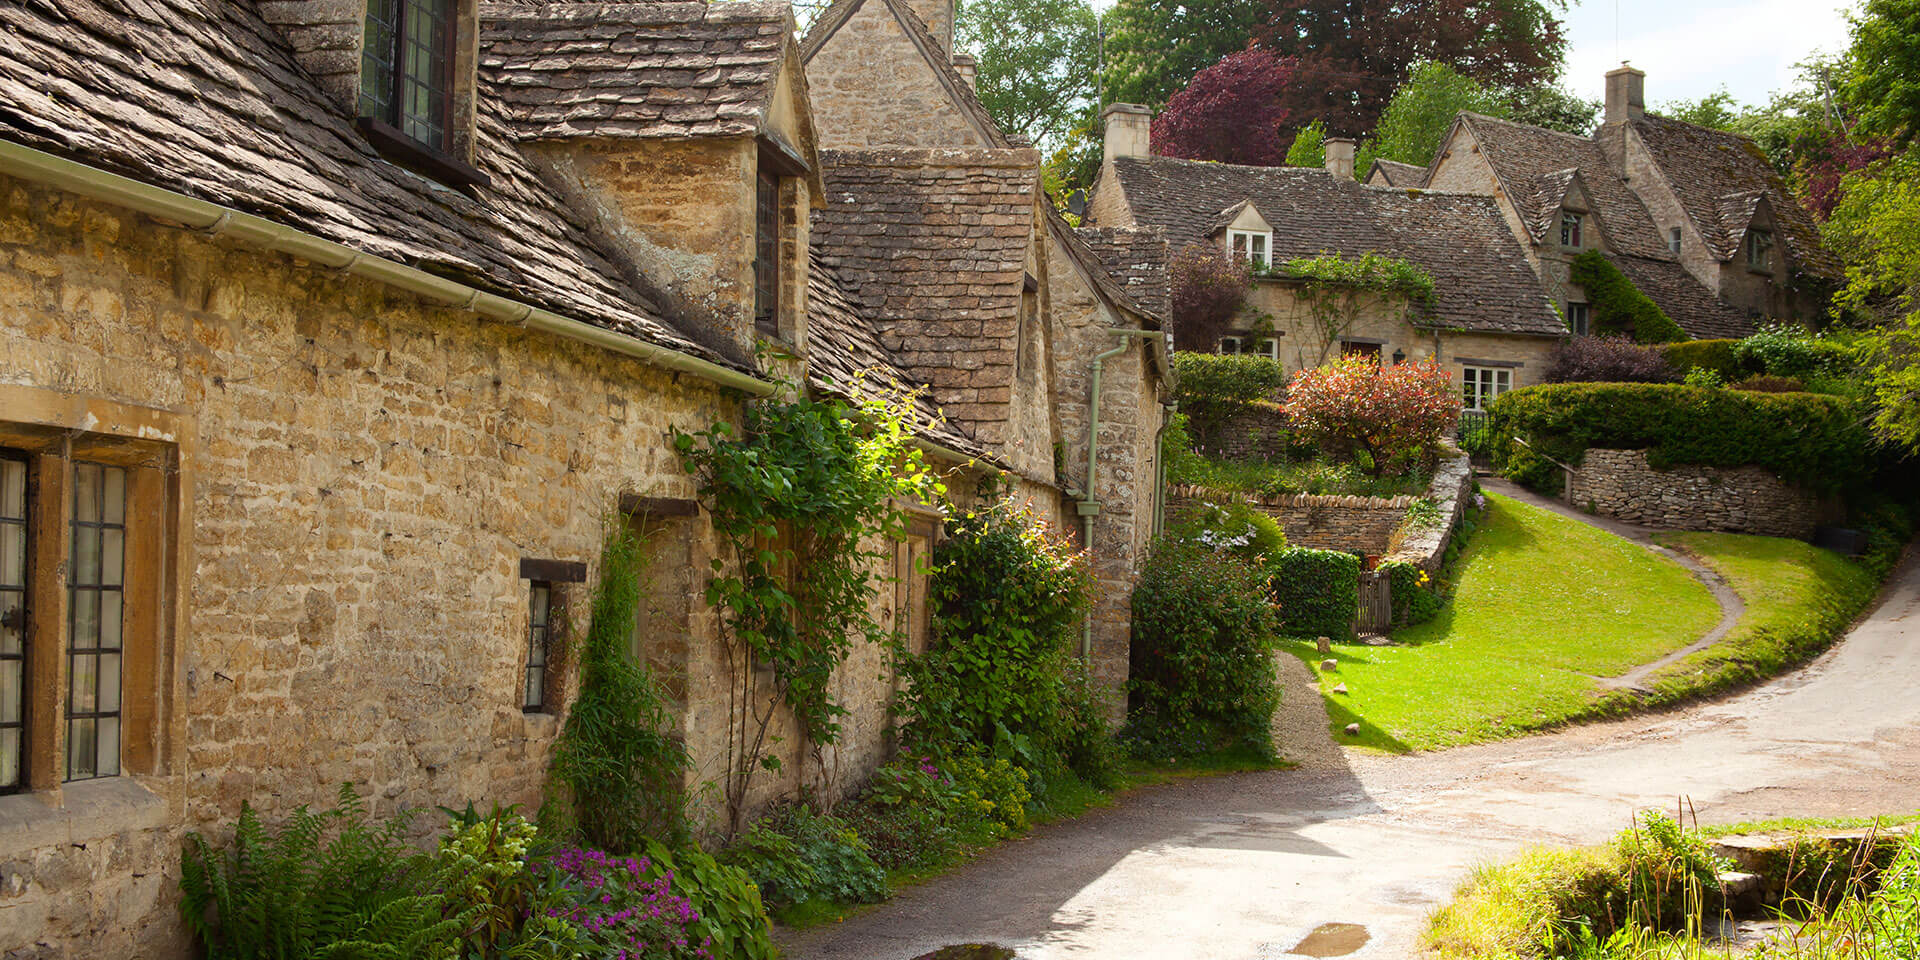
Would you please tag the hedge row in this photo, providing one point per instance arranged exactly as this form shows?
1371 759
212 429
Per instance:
1714 355
1318 592
1812 439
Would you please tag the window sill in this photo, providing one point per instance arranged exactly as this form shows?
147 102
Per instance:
405 150
89 810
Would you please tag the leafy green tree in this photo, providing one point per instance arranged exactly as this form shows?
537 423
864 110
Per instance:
1875 229
1309 146
1422 109
1885 80
1153 47
1716 111
1551 106
1037 63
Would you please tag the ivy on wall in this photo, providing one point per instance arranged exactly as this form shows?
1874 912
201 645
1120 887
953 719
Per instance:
1619 306
1336 291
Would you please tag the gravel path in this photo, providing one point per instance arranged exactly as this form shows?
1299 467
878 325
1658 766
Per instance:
1249 865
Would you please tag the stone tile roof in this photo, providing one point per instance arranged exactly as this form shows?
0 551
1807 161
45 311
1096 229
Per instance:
1399 174
932 245
634 70
203 98
1549 197
1522 157
1136 259
845 356
1681 295
1716 175
830 20
1482 277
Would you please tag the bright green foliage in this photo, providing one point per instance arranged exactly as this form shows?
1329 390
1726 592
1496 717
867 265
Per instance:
1422 109
1789 350
1808 438
996 785
804 500
1214 388
618 768
1711 355
1876 229
1038 61
1671 876
1154 47
1236 528
1551 106
1885 81
1318 592
1416 598
1008 600
481 874
731 913
1309 146
1715 111
1202 677
796 855
1370 271
1619 306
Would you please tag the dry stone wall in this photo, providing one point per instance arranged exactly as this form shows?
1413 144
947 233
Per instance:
1621 484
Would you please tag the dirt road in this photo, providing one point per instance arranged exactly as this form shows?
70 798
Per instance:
1248 866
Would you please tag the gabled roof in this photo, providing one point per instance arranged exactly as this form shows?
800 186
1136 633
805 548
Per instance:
1136 259
1523 157
634 70
1691 305
1482 277
203 98
1711 171
932 245
1397 174
936 55
1226 217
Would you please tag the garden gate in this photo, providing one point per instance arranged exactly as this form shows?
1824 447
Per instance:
1376 603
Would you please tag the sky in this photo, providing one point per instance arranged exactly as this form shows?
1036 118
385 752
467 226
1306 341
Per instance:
1690 48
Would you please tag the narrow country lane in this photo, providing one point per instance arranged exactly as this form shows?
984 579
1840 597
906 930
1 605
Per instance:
1246 866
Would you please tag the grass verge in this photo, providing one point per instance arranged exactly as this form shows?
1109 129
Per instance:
1542 606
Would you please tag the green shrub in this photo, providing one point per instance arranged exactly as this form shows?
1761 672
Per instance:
1768 383
1703 377
1318 592
1214 387
1618 306
911 814
1235 527
1086 743
796 855
1712 355
1202 676
1806 438
730 915
995 783
1789 350
1672 877
1416 598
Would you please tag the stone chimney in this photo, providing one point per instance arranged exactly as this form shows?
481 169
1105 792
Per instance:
967 68
939 17
1340 157
1129 130
1626 94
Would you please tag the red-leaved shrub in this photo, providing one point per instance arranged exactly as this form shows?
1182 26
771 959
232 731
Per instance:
1230 112
1607 359
1389 416
1209 287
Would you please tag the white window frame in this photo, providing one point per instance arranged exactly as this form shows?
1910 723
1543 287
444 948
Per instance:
1268 347
1673 240
1572 223
1480 386
1584 325
1254 245
1759 250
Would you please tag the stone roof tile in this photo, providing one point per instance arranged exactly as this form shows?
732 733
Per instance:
1399 174
1136 259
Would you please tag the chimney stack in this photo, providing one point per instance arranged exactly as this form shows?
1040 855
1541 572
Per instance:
1626 94
967 68
1129 130
1340 157
938 15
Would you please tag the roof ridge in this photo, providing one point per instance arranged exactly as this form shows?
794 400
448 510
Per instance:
1530 126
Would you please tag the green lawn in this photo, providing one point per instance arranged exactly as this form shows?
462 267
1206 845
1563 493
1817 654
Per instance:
1543 605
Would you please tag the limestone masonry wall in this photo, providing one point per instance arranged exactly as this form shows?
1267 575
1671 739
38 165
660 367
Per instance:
1621 484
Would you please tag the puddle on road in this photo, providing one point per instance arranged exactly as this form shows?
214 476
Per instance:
969 951
1332 940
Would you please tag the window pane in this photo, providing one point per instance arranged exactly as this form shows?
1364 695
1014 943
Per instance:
12 618
9 757
13 554
81 750
107 756
86 619
113 495
84 683
536 677
86 556
112 556
109 683
542 596
12 690
86 493
110 602
13 489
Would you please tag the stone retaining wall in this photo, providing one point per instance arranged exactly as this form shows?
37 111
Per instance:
1258 434
1370 525
1425 544
1621 484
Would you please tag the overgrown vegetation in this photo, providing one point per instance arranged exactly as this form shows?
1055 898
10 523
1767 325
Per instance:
1214 388
1618 306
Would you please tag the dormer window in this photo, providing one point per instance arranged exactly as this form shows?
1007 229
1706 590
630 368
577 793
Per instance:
1760 251
1570 224
1250 245
766 254
407 86
1673 240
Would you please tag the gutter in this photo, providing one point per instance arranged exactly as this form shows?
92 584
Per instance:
215 220
1089 507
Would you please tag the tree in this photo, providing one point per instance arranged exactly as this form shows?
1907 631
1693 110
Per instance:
1353 53
1387 417
1715 111
1885 80
1309 147
1232 112
1154 47
1551 106
1209 288
1423 108
1037 61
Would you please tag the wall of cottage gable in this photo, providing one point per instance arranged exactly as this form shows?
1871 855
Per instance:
1107 205
1525 356
1303 329
871 87
367 471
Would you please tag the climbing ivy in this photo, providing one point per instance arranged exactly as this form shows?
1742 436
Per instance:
803 500
1619 306
1335 290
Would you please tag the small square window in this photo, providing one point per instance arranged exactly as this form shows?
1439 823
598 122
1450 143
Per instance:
1249 245
1579 318
1673 240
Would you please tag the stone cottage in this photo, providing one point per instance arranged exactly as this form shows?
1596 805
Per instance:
1696 218
323 367
1489 322
1061 314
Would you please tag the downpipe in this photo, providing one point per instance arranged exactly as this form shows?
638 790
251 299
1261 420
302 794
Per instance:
1089 505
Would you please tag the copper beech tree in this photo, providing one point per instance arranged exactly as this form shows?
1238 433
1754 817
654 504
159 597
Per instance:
1384 418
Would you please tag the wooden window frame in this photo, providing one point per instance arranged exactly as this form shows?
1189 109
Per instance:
1572 223
1261 261
1758 247
1583 326
21 620
1483 385
1673 239
385 122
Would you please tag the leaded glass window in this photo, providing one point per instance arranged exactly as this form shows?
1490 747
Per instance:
96 577
406 68
539 628
13 621
766 254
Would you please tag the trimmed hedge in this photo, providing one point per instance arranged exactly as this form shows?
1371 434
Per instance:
1714 355
1213 387
1201 676
1619 306
1318 592
1812 439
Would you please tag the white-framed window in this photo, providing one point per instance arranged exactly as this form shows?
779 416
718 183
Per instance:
1250 245
1479 386
1760 250
1263 347
1673 239
1579 318
1570 224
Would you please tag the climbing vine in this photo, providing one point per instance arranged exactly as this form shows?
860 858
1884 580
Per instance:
803 499
1334 291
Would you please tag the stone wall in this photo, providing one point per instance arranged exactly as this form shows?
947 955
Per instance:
1346 523
871 87
1425 544
360 473
1621 484
1258 434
